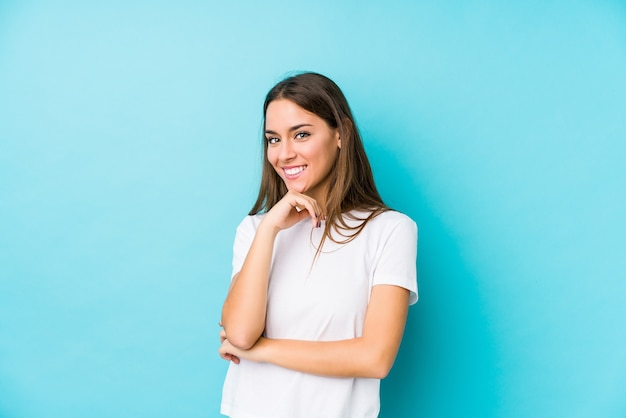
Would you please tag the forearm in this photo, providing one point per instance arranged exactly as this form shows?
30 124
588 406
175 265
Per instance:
370 355
357 357
243 313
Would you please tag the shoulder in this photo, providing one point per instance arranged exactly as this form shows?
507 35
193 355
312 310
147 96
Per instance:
387 225
249 224
393 219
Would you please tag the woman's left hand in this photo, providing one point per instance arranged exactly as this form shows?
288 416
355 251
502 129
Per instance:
231 353
226 353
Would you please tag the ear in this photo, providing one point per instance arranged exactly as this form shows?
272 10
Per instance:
345 130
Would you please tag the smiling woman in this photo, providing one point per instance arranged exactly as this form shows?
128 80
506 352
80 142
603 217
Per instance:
302 148
323 270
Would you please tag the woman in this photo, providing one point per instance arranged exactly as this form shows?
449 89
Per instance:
323 271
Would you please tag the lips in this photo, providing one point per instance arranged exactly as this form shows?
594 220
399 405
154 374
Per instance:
294 171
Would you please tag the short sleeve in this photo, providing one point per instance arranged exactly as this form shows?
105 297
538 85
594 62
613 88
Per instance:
243 240
396 258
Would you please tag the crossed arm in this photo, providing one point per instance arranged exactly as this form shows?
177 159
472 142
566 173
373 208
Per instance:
244 311
370 355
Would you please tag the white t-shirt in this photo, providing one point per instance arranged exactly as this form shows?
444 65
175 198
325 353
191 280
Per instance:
324 301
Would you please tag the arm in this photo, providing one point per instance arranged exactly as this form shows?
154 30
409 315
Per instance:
243 313
370 355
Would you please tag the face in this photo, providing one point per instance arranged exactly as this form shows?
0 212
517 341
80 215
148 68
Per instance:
301 147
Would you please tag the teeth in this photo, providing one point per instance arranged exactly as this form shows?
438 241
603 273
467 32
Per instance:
295 170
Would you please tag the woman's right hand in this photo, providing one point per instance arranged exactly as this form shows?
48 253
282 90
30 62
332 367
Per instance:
245 308
291 209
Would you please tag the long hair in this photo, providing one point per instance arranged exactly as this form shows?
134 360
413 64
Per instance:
351 186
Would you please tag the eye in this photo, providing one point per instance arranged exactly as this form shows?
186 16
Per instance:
302 135
272 140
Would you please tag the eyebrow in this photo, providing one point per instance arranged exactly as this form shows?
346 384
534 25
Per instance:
293 128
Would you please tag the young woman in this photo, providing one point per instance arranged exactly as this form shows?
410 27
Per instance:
323 271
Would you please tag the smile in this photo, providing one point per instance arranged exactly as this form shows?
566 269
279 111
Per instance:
294 171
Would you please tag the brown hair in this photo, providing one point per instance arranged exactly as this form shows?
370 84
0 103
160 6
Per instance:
351 180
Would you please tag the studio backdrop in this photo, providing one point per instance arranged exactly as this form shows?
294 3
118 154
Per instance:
130 149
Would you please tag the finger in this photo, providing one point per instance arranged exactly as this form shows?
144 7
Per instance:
303 202
317 211
232 357
224 355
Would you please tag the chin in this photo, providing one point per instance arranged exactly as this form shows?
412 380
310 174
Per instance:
298 189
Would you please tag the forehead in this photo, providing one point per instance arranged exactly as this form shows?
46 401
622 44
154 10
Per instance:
285 113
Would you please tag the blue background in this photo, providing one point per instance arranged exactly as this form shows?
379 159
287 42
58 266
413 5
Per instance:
130 150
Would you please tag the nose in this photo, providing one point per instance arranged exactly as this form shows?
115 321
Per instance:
287 151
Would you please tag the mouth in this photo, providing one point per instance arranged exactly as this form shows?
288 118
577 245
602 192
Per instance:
293 172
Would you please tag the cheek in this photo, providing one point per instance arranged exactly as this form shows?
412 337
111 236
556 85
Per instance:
272 158
329 156
270 155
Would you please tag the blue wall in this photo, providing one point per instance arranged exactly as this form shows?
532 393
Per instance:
129 151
